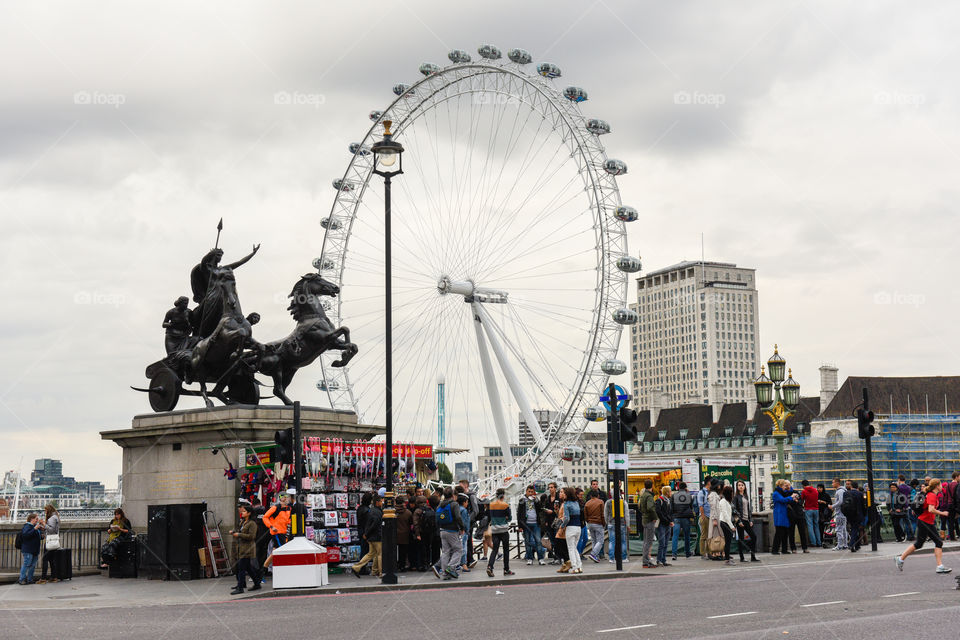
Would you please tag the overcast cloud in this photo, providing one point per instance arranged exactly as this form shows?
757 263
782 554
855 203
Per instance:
815 141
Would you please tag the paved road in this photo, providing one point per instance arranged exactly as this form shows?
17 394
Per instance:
829 599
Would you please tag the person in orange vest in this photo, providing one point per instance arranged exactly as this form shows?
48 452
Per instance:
277 519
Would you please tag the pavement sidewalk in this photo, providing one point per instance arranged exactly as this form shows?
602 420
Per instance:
99 591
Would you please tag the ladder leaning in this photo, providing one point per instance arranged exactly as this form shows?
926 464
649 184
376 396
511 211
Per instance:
216 551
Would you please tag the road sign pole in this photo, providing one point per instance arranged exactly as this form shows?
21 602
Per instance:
872 519
615 446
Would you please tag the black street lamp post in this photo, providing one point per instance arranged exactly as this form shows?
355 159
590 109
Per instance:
386 154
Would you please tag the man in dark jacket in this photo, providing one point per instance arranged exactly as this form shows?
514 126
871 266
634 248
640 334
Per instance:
664 524
30 548
548 514
648 517
857 514
682 503
798 523
372 532
404 524
263 532
530 520
365 501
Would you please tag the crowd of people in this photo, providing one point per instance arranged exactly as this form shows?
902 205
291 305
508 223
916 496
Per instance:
450 531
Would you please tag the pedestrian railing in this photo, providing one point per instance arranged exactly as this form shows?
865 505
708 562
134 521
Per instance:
84 543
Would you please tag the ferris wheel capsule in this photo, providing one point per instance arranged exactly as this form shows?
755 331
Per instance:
520 56
615 167
575 94
625 316
343 185
613 367
428 68
358 149
331 223
572 453
595 414
629 264
322 264
597 126
323 385
548 70
489 52
626 214
401 89
376 115
458 56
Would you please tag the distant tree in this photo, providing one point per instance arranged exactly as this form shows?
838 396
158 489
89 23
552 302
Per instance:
443 471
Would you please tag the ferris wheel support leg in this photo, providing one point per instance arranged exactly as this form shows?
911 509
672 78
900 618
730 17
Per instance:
525 409
496 406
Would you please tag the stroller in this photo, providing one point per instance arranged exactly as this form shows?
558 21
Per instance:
830 534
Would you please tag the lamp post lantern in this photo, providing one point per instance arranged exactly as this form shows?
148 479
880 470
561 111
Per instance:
386 154
778 399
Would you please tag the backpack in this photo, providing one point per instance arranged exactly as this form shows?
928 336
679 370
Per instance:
919 504
849 507
445 515
428 520
18 540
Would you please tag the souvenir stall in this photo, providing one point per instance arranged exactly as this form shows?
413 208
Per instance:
336 474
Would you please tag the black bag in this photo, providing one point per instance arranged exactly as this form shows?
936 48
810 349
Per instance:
428 521
64 564
849 507
18 541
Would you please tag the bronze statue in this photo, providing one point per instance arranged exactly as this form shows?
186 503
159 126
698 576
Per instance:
177 325
214 344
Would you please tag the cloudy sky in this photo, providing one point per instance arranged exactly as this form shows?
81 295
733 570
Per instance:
815 141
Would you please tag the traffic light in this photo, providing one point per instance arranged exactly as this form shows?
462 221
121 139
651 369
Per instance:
865 427
628 425
283 439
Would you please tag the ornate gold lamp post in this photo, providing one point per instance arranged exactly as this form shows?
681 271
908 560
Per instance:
779 400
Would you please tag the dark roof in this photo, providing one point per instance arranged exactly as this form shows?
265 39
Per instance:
731 415
898 392
696 418
806 411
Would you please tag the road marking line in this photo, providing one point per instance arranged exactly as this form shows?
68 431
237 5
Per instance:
897 595
639 626
731 615
823 604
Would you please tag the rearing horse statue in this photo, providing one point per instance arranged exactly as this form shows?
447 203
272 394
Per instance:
313 335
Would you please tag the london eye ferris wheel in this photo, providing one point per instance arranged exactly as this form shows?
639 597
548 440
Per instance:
510 262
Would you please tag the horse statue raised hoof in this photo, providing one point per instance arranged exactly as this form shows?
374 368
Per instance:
313 335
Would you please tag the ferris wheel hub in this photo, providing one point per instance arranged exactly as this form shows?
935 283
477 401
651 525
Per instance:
470 291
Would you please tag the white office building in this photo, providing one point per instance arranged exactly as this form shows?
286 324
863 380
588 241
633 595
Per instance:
697 341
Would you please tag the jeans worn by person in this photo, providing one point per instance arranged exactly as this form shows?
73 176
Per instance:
649 532
28 567
247 567
582 542
531 539
464 541
663 539
596 540
813 527
611 534
678 525
704 523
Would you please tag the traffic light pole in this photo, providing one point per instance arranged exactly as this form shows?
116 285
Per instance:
297 510
615 445
871 505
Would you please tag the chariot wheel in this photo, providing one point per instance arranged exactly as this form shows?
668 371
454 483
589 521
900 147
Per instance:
165 388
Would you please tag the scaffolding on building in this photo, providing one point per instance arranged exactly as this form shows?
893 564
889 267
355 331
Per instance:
913 445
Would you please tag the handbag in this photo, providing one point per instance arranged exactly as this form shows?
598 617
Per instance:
52 542
715 545
546 544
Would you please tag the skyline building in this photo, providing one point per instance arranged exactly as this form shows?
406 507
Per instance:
698 335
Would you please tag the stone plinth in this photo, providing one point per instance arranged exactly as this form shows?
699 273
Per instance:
162 462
